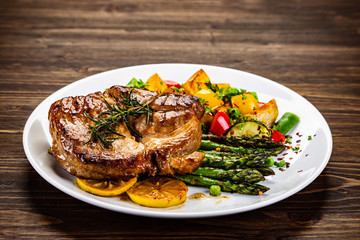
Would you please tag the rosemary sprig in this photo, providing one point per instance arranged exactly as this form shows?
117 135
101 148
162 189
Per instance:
105 128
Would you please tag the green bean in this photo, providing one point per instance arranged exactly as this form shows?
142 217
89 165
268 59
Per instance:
287 122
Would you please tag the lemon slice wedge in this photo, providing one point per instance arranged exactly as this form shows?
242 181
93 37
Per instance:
158 192
105 188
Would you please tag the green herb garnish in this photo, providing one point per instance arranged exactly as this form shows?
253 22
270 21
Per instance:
208 109
255 95
225 93
177 89
295 149
135 83
280 164
104 130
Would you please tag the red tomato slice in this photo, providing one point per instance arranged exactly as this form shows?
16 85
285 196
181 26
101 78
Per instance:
220 124
171 83
277 136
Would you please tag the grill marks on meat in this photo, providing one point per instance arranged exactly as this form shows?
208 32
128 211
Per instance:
170 138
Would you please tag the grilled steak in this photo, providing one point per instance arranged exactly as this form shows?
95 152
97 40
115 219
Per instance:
161 141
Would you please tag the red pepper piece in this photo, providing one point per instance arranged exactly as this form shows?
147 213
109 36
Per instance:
171 83
220 124
277 136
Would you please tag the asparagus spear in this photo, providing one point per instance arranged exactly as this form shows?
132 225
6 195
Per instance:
210 145
217 153
227 186
212 155
244 141
265 171
235 175
233 162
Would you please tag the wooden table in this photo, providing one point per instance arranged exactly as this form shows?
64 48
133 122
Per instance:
312 47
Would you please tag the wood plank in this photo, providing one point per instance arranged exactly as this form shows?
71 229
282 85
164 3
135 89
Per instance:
312 47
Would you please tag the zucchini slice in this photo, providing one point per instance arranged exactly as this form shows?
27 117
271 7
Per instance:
250 128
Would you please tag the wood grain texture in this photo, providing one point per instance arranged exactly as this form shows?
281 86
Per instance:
312 47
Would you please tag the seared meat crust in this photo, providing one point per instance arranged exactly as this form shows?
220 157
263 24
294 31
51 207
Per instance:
168 146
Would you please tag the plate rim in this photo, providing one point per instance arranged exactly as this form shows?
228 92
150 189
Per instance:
145 212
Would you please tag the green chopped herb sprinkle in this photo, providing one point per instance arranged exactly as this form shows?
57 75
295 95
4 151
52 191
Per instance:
208 109
295 149
280 164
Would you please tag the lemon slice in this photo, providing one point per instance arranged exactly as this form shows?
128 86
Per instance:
158 192
105 188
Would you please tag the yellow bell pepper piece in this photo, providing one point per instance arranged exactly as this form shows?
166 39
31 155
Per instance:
209 98
156 84
246 103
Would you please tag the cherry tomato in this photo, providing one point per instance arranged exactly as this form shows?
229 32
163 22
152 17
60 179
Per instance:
277 136
171 83
220 124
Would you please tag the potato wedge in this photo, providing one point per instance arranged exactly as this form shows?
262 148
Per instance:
168 90
193 87
200 80
207 119
199 76
222 86
267 113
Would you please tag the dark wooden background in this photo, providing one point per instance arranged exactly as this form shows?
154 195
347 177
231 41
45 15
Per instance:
310 46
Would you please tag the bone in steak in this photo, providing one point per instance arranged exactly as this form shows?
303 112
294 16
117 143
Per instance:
170 135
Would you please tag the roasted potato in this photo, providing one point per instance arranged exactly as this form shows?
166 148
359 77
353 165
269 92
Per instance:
199 76
267 113
200 80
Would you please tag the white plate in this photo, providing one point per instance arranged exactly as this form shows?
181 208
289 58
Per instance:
305 166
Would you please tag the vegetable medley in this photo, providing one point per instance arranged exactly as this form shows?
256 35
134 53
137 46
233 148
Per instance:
229 111
240 134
